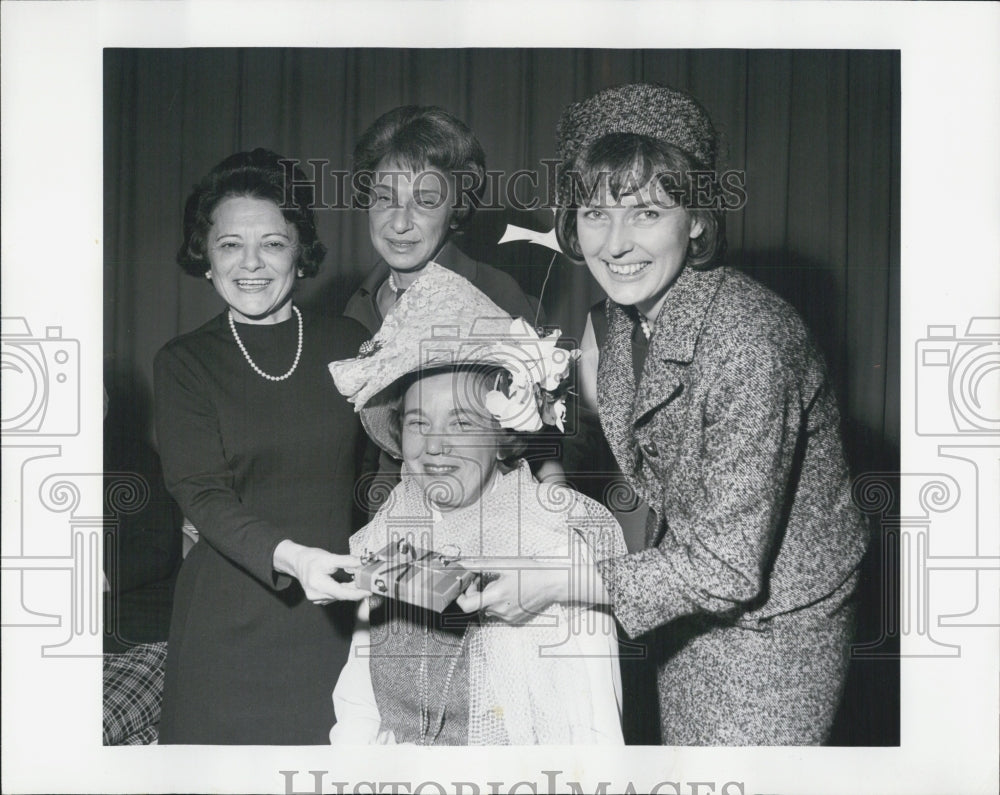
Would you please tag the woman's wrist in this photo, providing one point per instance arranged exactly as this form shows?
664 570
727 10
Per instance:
580 584
286 556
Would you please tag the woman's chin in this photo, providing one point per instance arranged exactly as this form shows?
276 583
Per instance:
443 496
404 261
266 311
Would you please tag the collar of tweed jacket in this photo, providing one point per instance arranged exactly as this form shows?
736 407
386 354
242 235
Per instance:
682 316
675 337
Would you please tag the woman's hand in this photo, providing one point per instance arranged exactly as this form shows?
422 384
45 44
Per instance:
521 588
314 569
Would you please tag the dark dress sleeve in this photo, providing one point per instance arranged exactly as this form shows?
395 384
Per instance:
196 472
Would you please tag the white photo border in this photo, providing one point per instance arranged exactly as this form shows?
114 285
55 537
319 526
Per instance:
52 262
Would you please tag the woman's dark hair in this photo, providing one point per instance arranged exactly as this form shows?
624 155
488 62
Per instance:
417 137
621 163
260 174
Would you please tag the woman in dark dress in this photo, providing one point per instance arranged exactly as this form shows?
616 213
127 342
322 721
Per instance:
261 453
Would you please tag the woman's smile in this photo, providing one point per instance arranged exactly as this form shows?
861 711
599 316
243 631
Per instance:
252 285
439 469
627 270
401 246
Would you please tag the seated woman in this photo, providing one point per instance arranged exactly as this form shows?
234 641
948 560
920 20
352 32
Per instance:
452 402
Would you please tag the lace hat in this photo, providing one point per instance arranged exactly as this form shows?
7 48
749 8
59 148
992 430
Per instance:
443 320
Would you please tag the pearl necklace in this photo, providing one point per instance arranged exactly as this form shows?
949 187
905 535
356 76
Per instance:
429 732
256 369
397 291
644 325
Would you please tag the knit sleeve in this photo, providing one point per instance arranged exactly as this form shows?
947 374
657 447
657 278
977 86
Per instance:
197 474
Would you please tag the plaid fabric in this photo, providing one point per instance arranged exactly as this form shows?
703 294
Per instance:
145 736
133 689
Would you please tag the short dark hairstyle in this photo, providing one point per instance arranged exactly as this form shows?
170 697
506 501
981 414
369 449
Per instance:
417 137
259 174
623 162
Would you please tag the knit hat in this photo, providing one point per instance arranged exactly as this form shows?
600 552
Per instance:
443 320
644 109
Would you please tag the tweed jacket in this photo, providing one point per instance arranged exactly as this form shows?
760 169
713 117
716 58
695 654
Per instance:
732 436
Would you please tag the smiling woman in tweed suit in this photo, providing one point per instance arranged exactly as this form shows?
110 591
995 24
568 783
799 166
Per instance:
719 411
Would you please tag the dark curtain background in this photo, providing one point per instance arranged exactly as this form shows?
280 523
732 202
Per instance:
816 132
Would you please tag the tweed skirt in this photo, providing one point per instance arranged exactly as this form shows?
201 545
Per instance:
772 682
